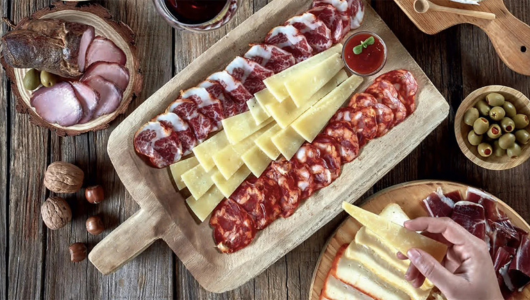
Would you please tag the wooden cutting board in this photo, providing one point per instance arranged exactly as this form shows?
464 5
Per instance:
509 35
164 214
409 196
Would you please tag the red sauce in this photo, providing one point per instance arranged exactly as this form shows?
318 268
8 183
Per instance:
370 60
195 11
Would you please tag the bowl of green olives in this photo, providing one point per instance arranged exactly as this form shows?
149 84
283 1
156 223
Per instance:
492 127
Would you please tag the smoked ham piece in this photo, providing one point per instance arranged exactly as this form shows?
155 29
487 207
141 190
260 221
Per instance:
158 143
270 57
58 104
472 217
250 73
318 35
102 49
88 98
291 40
109 95
113 72
438 205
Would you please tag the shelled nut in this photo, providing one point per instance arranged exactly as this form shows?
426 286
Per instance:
94 194
94 225
78 252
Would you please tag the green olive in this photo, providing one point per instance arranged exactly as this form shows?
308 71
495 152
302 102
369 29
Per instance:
510 109
521 121
473 138
507 124
48 79
497 150
495 99
522 136
497 113
506 140
483 107
471 116
514 151
31 80
495 131
485 150
481 125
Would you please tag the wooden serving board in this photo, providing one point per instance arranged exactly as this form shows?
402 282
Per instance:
509 35
164 214
409 196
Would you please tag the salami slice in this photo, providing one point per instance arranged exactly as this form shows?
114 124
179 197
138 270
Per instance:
384 115
207 105
159 144
356 8
216 89
233 227
250 73
318 35
270 57
333 20
344 9
387 94
310 156
405 84
181 128
346 137
344 114
364 120
362 100
291 40
234 88
187 109
304 179
330 153
281 171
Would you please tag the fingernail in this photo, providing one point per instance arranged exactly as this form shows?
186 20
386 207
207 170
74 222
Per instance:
413 255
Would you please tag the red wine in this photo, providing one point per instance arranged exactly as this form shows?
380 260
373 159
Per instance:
195 11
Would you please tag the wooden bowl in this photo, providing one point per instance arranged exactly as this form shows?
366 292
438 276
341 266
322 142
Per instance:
100 18
521 103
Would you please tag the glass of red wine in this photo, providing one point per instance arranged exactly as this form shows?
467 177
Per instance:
197 15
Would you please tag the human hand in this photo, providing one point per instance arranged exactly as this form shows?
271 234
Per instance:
466 272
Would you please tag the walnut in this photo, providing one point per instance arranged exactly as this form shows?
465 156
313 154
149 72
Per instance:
56 213
63 177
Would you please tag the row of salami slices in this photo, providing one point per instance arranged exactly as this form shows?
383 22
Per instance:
286 184
98 92
198 112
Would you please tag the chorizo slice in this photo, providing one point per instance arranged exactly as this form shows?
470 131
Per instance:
361 100
233 227
304 179
386 93
385 119
365 122
344 114
346 137
281 171
310 156
405 84
330 153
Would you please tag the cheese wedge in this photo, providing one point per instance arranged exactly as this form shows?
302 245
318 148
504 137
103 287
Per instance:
258 113
309 124
397 236
288 141
256 160
287 112
335 289
239 127
265 97
204 206
394 213
227 187
204 152
180 168
275 83
228 160
264 142
198 180
302 88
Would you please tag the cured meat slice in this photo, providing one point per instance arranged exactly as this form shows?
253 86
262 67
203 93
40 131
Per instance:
234 88
384 115
362 100
233 227
270 57
310 156
88 99
503 235
318 35
58 104
281 171
346 137
365 121
159 144
387 94
519 270
181 128
250 73
356 8
230 108
206 105
112 72
333 20
291 40
344 9
102 49
454 195
438 205
472 217
330 153
405 84
344 114
260 198
501 261
109 95
304 179
187 110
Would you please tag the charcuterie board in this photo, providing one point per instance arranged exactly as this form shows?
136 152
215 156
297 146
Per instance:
408 196
164 214
509 35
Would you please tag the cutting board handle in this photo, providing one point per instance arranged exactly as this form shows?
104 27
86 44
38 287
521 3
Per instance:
127 241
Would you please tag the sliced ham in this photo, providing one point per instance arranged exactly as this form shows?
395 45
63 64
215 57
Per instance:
345 12
58 104
113 72
86 40
184 132
250 73
356 8
333 20
472 217
230 107
88 98
318 35
159 144
438 205
102 49
291 40
208 105
187 109
109 95
270 57
519 270
234 88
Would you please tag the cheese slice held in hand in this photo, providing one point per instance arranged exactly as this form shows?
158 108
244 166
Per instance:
397 236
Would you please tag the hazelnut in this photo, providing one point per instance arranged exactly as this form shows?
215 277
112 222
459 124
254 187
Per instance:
63 177
94 194
56 213
78 252
94 225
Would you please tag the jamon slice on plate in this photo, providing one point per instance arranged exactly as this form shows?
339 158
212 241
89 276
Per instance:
160 144
438 205
318 35
187 109
472 217
344 9
230 107
102 49
250 73
270 57
291 40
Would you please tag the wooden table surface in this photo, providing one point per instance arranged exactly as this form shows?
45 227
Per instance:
35 262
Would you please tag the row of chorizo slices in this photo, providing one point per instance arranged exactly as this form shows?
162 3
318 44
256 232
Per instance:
224 94
284 185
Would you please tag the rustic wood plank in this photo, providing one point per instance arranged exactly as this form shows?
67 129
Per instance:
4 167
